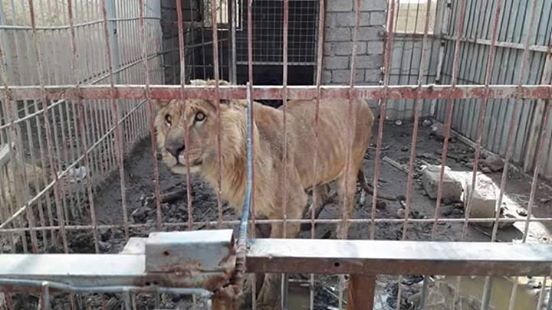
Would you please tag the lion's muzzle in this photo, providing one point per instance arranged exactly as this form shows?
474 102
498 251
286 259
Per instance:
174 143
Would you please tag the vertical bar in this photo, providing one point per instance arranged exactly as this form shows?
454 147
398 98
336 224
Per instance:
150 117
182 96
383 108
482 111
115 117
319 58
284 278
81 121
250 101
411 162
361 292
45 296
216 73
57 196
511 134
232 7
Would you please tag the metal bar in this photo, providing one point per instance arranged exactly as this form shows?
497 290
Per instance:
372 257
383 107
182 94
370 92
113 62
319 59
511 45
44 99
361 292
295 221
216 75
102 288
150 118
252 98
246 210
82 131
77 25
367 257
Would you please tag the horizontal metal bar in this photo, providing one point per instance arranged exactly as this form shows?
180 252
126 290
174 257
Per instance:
290 63
103 289
398 257
297 221
295 256
275 92
520 46
78 25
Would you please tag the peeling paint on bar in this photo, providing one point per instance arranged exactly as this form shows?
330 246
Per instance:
58 92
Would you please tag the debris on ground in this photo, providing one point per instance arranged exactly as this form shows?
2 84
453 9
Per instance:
438 132
492 163
395 164
451 188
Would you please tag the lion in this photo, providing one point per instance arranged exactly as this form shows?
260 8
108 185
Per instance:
279 178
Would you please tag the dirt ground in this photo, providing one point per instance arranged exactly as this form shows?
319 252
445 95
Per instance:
396 145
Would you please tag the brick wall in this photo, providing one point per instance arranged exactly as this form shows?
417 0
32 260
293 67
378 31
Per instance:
340 20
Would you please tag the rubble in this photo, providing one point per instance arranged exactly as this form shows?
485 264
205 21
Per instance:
492 164
451 189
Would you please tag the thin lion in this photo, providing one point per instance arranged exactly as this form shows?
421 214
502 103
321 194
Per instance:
199 117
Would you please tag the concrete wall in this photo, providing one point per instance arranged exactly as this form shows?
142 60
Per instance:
340 20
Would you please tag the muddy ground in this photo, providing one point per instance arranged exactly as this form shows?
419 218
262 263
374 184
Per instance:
396 145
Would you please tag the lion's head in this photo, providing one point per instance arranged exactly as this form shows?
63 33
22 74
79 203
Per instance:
198 118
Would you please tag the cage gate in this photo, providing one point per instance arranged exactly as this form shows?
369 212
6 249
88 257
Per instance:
92 217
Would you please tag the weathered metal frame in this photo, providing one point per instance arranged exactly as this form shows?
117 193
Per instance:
148 267
391 92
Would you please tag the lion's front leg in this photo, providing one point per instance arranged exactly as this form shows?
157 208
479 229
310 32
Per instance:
269 295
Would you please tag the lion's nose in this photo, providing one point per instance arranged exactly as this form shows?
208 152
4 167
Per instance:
175 147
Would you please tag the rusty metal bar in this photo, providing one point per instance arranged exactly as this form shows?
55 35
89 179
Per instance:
44 99
216 75
361 292
251 95
315 124
150 118
112 60
383 107
182 95
82 130
373 257
297 221
370 92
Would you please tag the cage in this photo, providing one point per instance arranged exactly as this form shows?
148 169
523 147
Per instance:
452 211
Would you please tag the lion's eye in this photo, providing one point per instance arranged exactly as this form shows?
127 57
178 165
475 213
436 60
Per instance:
199 117
168 120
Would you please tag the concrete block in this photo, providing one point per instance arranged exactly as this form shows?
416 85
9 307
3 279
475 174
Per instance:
370 33
374 47
483 197
343 48
343 76
378 18
337 62
452 188
373 5
340 6
369 62
347 19
338 34
373 76
326 77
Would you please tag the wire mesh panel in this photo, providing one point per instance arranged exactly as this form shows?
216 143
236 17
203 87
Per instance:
268 30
